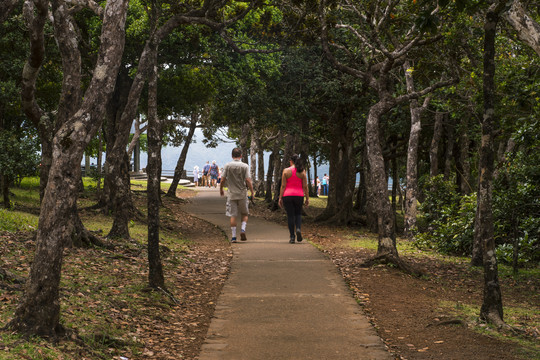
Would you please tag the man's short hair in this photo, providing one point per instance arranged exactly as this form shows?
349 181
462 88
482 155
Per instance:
236 153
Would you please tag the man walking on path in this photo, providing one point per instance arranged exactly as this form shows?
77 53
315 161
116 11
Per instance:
236 175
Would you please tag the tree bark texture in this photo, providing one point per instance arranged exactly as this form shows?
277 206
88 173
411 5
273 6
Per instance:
464 174
379 184
35 13
435 144
38 312
6 7
260 191
155 273
491 310
253 151
269 178
449 152
342 172
4 183
528 30
179 169
114 110
411 194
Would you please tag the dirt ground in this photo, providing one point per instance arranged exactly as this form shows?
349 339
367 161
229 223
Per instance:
407 310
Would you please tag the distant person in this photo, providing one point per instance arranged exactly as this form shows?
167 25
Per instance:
236 176
325 184
318 184
214 173
206 170
196 175
291 196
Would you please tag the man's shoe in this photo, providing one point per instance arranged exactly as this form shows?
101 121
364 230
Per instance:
233 240
298 236
243 236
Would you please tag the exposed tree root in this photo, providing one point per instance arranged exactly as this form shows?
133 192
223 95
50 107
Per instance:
82 237
391 259
7 279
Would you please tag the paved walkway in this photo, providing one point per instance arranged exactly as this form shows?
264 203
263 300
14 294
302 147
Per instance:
282 301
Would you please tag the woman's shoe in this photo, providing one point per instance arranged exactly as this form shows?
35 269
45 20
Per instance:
298 236
291 241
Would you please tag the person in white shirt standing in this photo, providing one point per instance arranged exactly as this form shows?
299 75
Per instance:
236 177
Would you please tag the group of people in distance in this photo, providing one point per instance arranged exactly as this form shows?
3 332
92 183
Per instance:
294 188
210 176
322 186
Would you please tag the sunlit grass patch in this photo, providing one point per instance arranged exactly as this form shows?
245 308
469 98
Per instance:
28 348
318 202
14 221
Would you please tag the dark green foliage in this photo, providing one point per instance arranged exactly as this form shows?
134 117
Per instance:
18 157
450 219
516 199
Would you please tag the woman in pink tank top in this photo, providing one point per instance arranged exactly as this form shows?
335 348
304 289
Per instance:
291 196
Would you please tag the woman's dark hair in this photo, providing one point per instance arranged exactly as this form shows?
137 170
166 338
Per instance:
298 162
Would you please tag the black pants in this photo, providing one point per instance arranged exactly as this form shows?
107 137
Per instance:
293 207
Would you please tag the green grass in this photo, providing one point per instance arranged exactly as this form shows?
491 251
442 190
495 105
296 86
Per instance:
513 316
14 221
94 281
318 202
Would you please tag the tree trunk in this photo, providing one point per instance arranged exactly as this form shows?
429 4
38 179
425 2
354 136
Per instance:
4 183
253 152
183 154
111 131
528 30
243 141
38 312
260 170
434 148
155 275
465 164
36 15
136 136
449 153
492 309
122 202
6 7
269 177
411 194
339 208
379 184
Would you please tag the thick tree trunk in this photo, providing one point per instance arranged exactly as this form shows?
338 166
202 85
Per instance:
492 309
121 201
243 141
156 279
339 208
183 154
434 148
38 312
528 30
385 215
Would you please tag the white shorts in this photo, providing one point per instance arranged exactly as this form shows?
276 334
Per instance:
235 207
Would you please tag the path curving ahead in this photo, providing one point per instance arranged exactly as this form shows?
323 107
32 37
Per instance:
282 301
